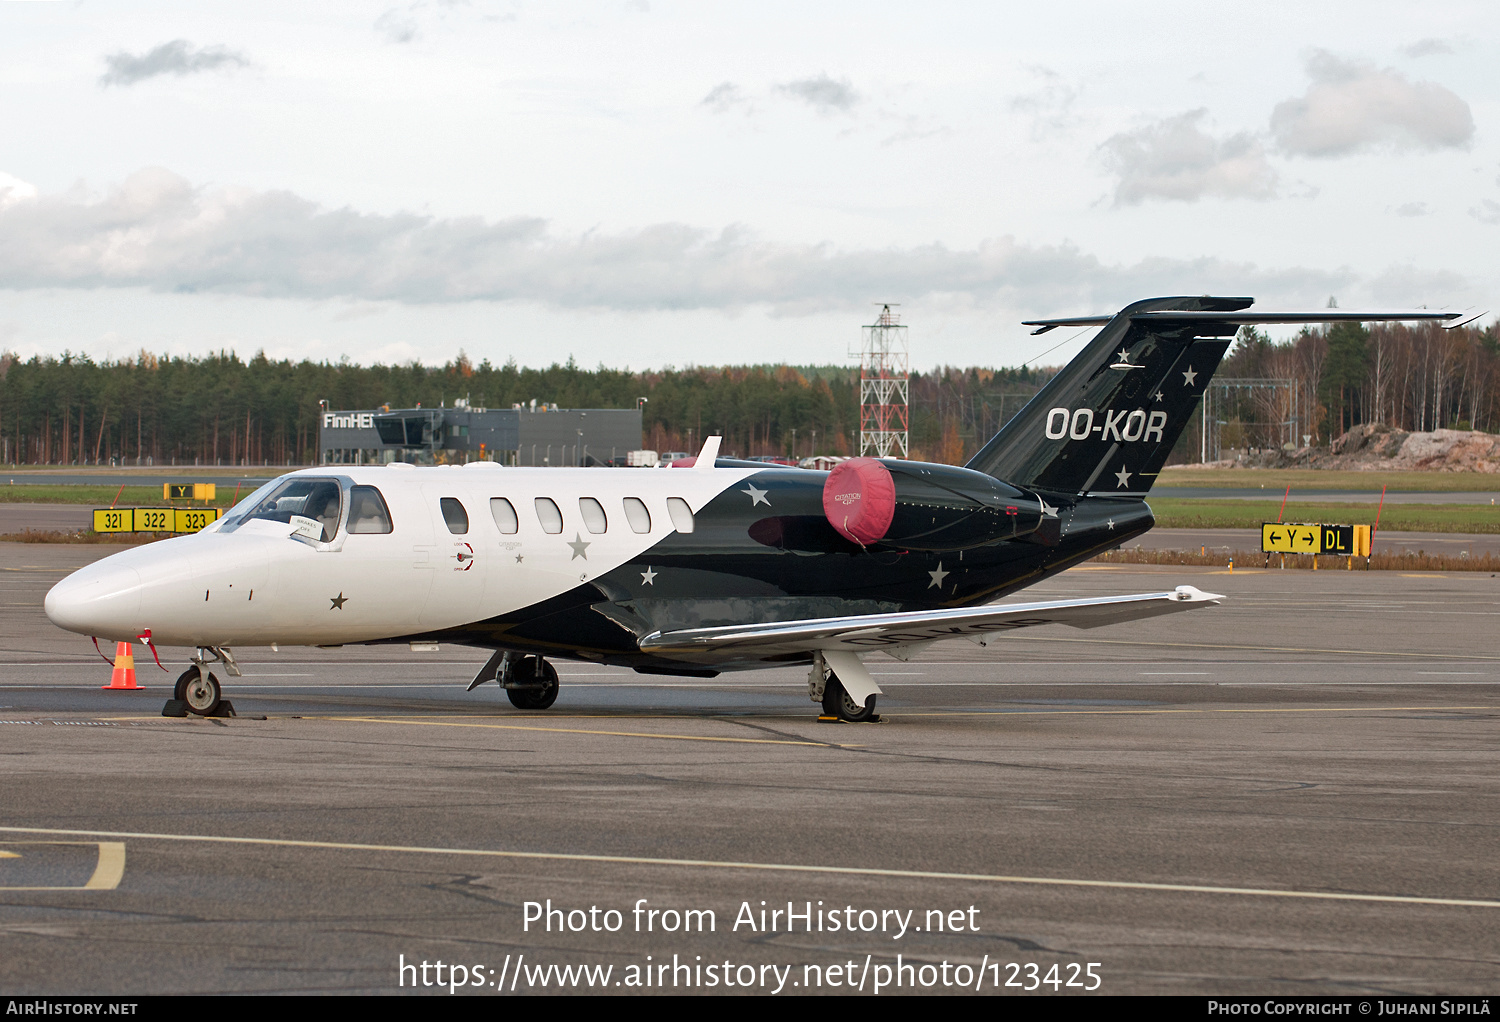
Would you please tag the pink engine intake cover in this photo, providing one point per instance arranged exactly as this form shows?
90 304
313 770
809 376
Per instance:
860 499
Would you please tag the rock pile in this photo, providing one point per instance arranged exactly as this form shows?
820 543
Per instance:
1375 446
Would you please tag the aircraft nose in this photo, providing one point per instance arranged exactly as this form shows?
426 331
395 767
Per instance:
102 599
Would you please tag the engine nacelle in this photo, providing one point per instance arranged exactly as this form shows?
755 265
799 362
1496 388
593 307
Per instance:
914 505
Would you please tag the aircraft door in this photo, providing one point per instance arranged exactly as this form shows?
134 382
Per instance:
459 565
387 555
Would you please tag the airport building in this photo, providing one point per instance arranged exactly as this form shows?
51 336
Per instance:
522 435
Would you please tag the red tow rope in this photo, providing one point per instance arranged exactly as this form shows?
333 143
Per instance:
146 638
101 652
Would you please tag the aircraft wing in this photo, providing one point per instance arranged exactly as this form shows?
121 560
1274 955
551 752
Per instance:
874 632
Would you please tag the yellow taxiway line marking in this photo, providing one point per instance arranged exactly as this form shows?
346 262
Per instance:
775 867
588 731
110 869
1261 649
107 872
1284 709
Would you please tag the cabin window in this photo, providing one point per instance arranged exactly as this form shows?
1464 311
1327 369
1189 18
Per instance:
548 514
455 515
593 514
367 512
682 515
637 514
504 515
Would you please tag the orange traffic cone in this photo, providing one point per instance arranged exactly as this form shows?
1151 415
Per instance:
123 678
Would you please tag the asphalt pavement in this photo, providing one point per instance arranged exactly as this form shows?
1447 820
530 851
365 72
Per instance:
1290 793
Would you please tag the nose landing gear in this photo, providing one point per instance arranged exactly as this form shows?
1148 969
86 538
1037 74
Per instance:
197 691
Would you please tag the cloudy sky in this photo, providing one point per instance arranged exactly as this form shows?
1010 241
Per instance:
658 182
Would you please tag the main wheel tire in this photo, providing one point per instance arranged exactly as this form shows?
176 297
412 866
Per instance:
201 696
533 669
838 703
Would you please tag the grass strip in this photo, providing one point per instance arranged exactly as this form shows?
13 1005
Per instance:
1189 513
1328 479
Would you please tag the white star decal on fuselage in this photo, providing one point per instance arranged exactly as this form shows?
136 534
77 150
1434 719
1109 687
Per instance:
938 576
580 546
648 577
1110 525
1158 395
1188 377
756 496
1123 476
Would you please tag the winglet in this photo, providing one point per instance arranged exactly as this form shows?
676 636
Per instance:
708 455
1463 322
1192 594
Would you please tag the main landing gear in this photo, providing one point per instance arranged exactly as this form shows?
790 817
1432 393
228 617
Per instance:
824 686
838 703
530 682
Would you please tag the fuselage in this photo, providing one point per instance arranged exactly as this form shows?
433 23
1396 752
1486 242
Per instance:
570 563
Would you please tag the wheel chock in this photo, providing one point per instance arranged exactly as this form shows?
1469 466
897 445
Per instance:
823 719
179 708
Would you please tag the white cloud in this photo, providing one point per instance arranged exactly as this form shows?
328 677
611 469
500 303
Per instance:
398 25
1174 158
1049 106
158 232
1354 107
1413 209
1428 47
824 94
178 57
1487 212
13 189
724 97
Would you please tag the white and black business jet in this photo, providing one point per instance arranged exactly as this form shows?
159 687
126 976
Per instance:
721 566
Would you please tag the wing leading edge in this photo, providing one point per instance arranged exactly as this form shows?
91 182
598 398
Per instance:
889 631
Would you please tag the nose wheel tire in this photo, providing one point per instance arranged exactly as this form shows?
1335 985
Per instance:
540 679
201 695
838 703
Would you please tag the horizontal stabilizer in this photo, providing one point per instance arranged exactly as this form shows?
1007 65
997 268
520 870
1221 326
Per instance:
1246 318
884 631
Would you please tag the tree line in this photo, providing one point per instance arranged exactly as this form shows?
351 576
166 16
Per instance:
221 409
1410 377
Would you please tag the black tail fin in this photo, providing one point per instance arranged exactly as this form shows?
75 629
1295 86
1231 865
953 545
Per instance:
1106 424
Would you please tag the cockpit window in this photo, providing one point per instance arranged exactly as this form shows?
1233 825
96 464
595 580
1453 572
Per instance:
367 511
316 499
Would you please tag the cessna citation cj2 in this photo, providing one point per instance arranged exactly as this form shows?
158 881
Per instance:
722 566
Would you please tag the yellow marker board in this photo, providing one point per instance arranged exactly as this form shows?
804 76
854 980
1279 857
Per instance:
155 519
188 491
192 519
114 519
1315 538
1291 538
